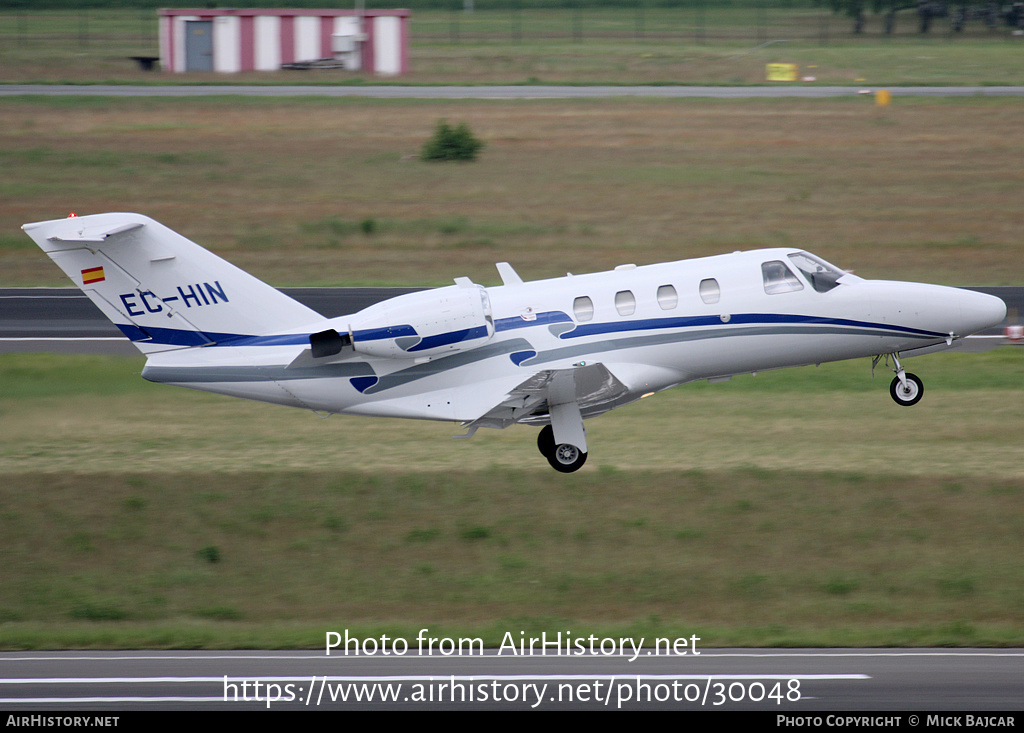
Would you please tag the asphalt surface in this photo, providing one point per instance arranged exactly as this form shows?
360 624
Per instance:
499 92
790 681
64 320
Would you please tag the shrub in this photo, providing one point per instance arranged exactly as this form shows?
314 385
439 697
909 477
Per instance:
209 553
451 143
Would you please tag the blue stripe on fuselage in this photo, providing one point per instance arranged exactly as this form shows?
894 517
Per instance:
542 319
649 324
452 337
181 337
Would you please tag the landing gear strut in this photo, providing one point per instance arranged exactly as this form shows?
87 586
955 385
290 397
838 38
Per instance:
565 458
906 389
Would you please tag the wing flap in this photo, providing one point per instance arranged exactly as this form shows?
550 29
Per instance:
596 390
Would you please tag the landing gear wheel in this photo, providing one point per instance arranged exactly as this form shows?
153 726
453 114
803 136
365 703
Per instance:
907 395
546 442
567 458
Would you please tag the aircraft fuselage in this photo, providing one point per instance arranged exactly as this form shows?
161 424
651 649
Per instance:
648 343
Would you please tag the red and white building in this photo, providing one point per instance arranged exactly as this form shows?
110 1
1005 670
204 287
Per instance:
233 40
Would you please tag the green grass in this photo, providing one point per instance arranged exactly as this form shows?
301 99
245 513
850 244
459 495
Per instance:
809 419
35 376
798 507
767 557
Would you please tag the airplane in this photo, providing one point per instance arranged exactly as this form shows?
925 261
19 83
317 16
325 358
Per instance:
550 353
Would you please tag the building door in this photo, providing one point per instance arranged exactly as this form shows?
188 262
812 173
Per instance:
199 45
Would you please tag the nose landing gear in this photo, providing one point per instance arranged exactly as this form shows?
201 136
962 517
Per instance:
906 389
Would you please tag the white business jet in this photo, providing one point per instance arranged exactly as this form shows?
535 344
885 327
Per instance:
548 352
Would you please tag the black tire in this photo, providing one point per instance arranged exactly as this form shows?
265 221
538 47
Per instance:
546 442
567 458
909 395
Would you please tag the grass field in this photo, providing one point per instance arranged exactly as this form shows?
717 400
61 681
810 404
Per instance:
795 507
316 191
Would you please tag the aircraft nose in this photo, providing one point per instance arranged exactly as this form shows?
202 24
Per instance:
979 311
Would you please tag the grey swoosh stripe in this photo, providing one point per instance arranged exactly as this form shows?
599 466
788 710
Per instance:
447 363
568 352
278 373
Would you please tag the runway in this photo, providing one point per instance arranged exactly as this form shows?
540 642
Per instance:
64 320
790 681
526 91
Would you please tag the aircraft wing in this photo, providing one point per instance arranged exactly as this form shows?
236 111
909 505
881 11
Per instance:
593 387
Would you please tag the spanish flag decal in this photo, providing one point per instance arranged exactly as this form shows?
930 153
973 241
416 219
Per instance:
93 275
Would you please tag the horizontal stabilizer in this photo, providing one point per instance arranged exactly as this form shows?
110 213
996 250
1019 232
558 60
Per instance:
162 290
82 236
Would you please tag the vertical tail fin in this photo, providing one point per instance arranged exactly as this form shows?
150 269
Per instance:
162 290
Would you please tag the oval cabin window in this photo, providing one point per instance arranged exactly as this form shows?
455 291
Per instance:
583 308
625 303
668 298
709 291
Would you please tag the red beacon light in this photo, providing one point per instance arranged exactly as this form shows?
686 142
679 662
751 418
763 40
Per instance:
72 215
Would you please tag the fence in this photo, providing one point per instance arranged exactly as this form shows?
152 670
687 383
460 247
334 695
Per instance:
697 21
20 28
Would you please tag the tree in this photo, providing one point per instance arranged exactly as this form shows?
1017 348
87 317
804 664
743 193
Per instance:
856 9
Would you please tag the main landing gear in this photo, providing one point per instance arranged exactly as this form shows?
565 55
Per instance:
565 457
564 441
906 389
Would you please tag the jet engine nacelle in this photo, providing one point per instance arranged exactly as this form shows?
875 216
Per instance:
427 323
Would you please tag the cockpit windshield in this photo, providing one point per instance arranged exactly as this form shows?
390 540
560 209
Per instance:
822 276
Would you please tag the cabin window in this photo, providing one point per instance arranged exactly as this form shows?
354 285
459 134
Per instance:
583 308
668 298
821 275
625 303
709 291
779 279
